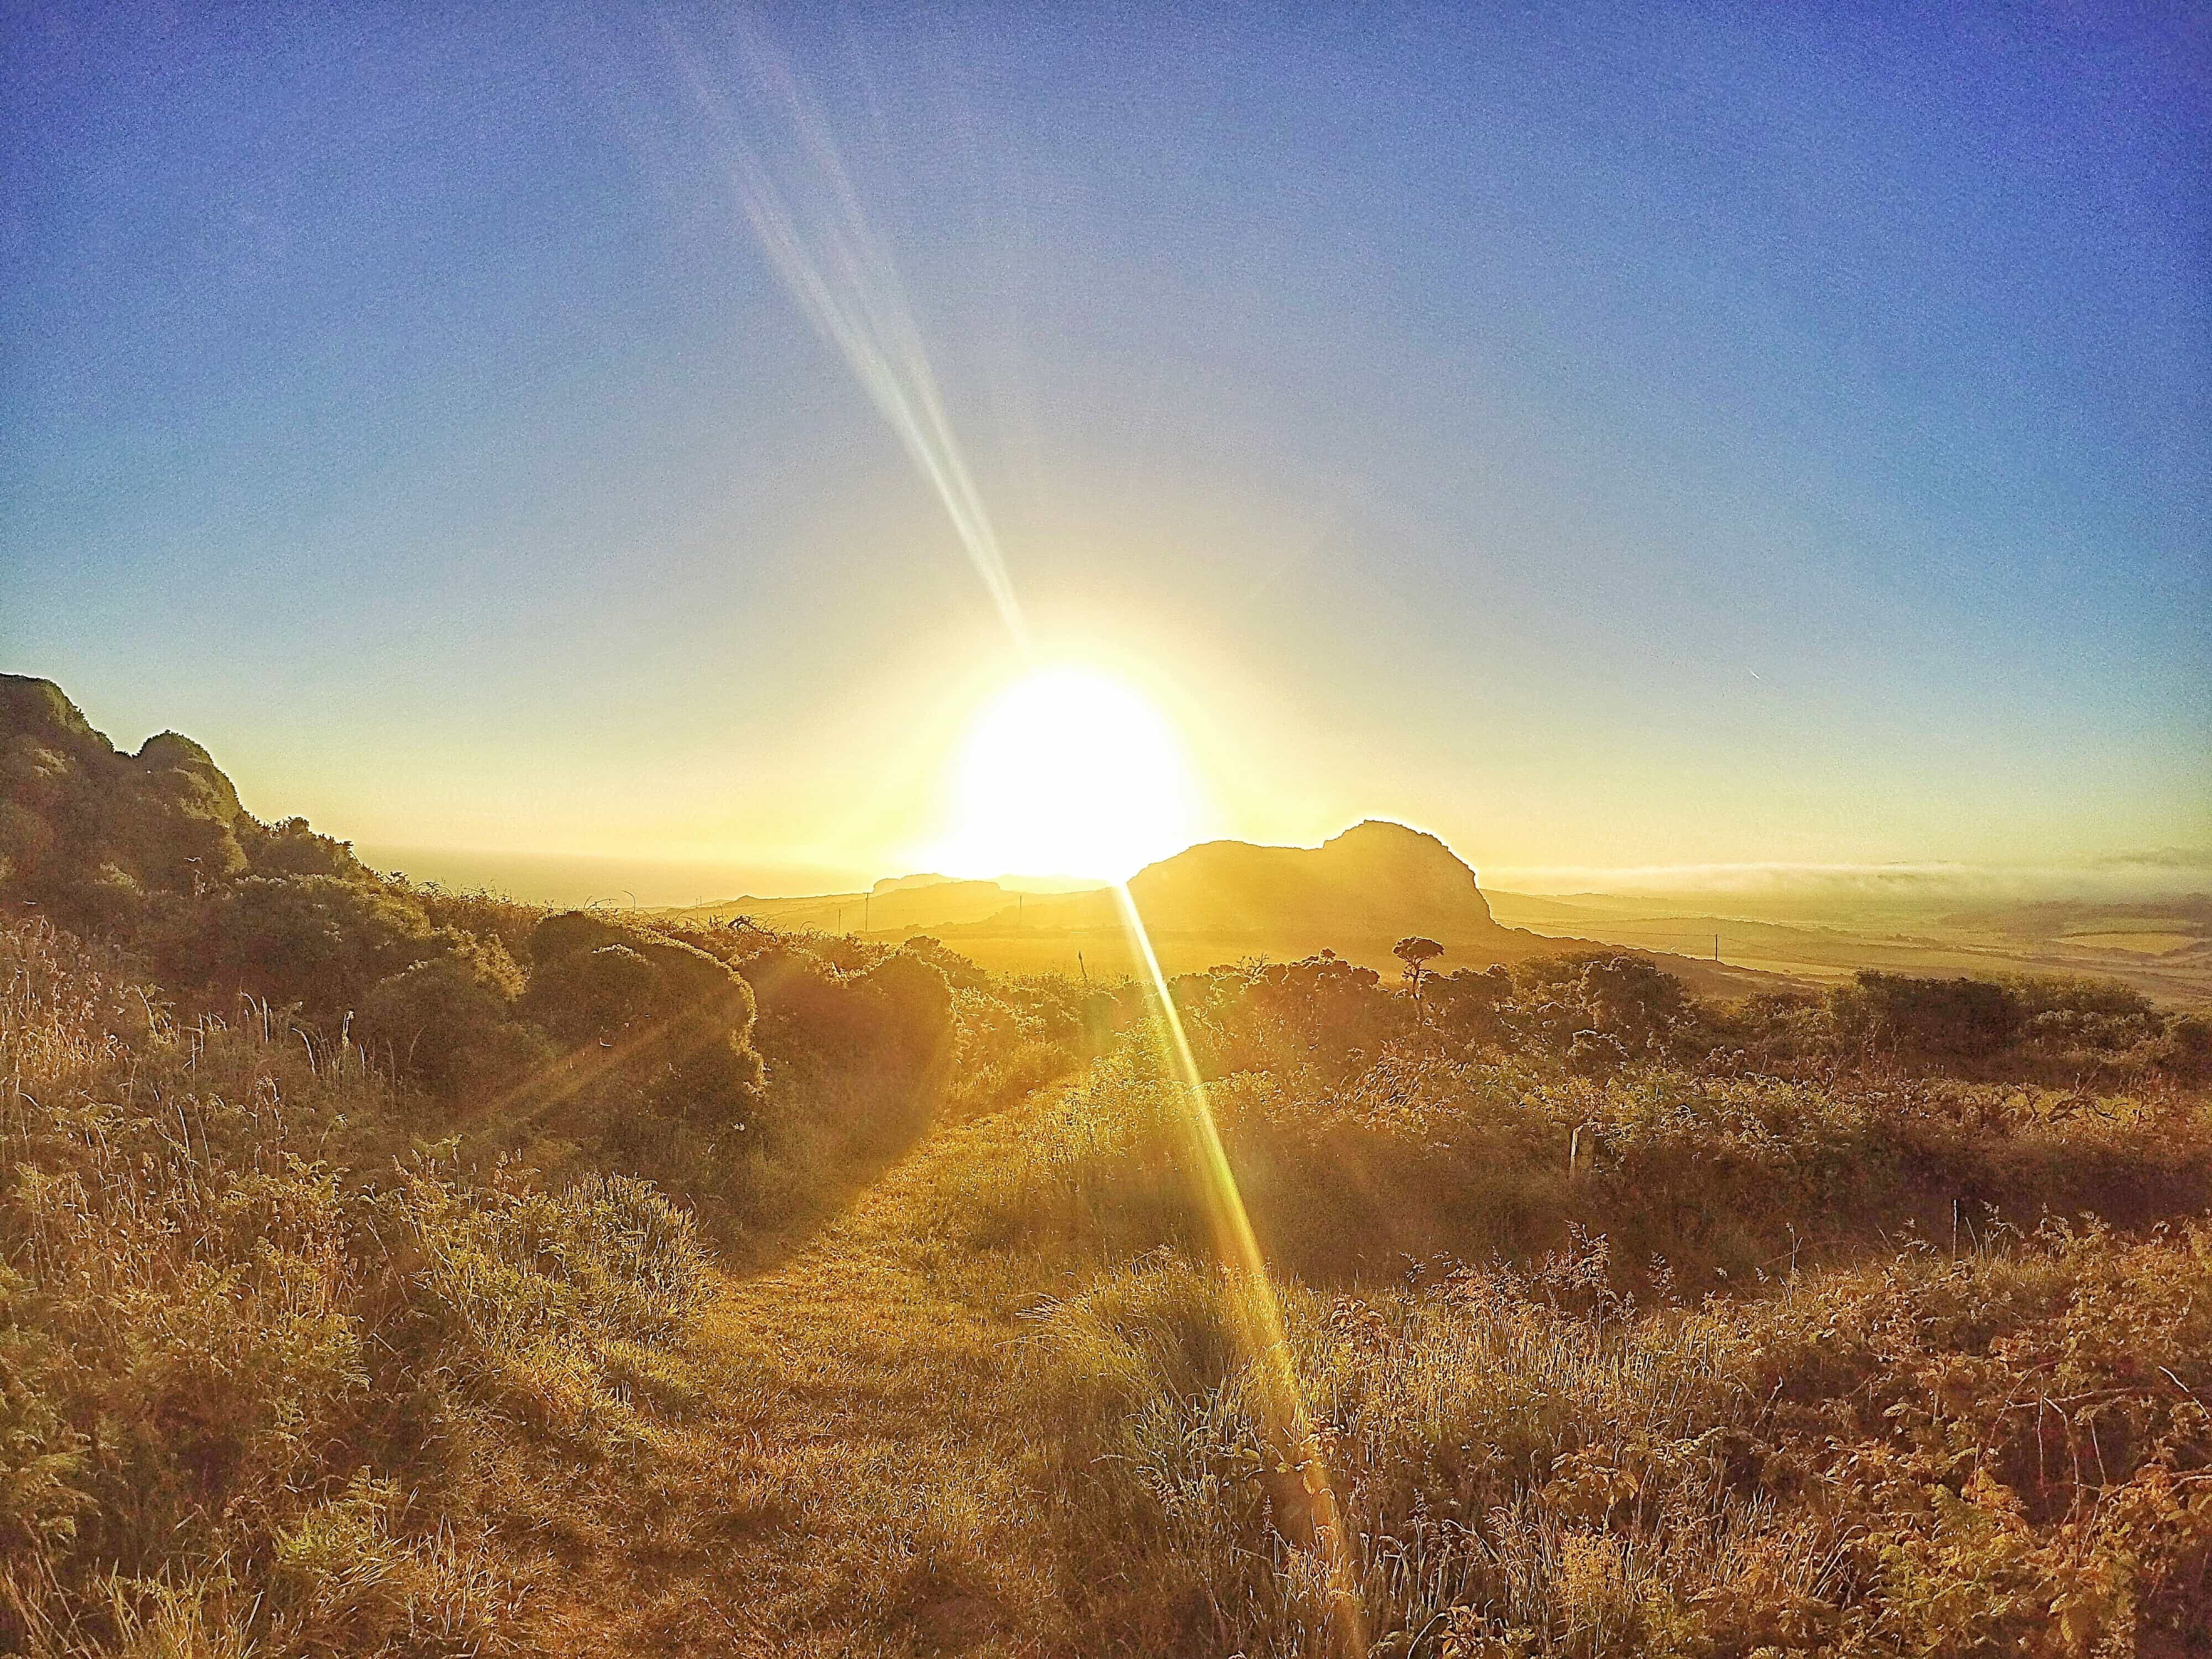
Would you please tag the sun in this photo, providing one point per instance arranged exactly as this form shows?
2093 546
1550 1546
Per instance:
1068 771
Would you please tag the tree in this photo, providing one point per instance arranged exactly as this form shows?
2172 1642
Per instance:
1416 953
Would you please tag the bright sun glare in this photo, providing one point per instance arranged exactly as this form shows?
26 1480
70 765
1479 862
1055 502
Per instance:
1069 771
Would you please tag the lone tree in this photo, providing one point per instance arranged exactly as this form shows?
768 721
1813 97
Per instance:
1417 953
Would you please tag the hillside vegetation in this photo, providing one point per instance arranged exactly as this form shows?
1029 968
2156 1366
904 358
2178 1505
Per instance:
391 1271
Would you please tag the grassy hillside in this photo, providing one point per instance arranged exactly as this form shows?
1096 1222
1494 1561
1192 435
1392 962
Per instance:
1877 1345
390 1271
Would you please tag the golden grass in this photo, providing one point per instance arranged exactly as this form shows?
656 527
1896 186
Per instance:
990 1396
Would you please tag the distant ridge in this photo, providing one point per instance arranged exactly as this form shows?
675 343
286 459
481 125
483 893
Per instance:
1375 880
907 884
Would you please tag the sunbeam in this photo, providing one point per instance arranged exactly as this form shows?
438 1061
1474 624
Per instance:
1259 1313
818 240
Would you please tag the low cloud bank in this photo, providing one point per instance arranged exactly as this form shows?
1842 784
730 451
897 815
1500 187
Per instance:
2157 873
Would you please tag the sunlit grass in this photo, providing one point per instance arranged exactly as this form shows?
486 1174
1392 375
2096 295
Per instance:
990 1375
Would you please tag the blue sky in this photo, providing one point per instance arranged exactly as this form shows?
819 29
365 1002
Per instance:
1607 435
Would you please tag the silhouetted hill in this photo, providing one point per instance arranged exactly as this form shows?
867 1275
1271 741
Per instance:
1357 894
1376 881
1376 878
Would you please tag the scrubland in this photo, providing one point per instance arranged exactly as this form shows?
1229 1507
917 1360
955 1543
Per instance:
1880 1442
385 1270
300 1357
1797 1330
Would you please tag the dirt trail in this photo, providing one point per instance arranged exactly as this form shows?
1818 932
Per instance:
858 1475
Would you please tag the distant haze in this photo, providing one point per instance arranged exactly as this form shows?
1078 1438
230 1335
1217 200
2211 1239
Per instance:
2162 873
555 879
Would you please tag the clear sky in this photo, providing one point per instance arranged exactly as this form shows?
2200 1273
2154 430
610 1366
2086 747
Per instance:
1607 436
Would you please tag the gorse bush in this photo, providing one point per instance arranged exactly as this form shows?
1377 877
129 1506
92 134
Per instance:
450 1023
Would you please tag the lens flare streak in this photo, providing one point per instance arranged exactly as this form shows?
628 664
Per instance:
818 240
1257 1309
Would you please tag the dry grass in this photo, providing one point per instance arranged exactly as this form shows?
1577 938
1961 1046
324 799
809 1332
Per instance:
251 1398
277 1379
1919 1456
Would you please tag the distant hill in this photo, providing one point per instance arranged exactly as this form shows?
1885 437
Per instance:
1357 894
1375 879
896 908
903 883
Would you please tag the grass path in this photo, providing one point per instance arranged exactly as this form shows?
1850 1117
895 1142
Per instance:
856 1474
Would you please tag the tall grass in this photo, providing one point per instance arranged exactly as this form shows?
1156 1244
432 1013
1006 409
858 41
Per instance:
1708 1180
256 1395
2003 1454
1887 1365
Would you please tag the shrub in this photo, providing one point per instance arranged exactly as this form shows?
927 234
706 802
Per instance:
594 995
1596 1054
289 847
917 1004
1941 1018
677 1021
317 940
447 1022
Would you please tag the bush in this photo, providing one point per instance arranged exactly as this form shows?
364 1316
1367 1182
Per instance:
678 1022
316 940
594 995
1934 1018
446 1023
917 1008
289 847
